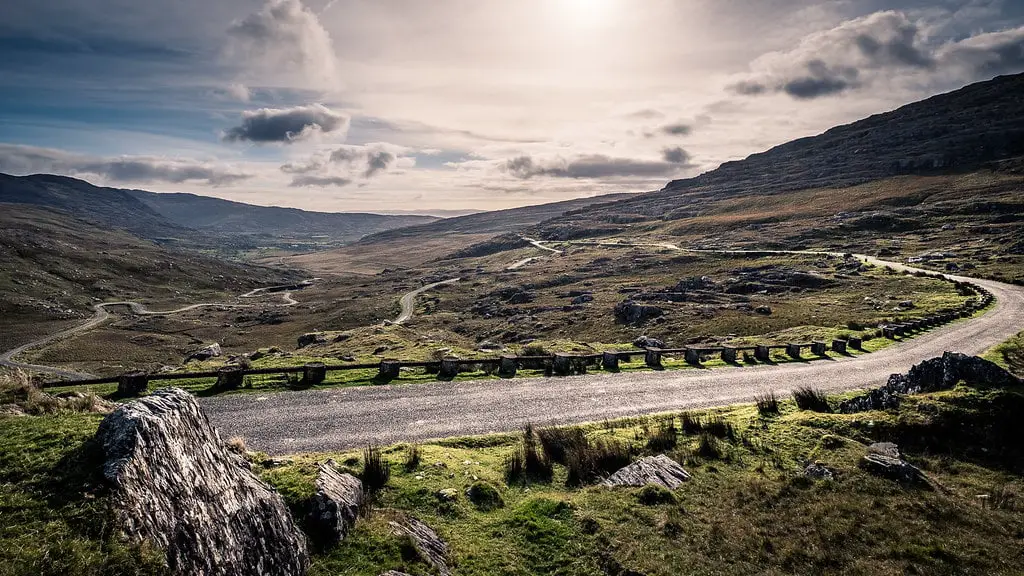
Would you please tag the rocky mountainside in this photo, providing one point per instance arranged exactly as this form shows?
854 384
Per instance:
977 126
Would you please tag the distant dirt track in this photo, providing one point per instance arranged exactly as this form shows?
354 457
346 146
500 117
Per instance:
343 418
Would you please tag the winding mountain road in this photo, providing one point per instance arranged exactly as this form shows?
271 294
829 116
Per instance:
345 418
408 301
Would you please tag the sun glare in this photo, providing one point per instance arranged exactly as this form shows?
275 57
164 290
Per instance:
589 13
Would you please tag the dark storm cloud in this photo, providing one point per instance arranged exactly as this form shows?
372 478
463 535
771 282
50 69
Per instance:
675 155
285 125
677 129
18 159
589 166
378 161
307 181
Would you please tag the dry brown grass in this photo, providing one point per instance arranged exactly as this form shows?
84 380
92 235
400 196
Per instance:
19 395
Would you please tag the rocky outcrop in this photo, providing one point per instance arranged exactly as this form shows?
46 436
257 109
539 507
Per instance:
646 342
311 338
819 471
928 376
335 505
883 459
204 353
430 546
629 312
175 485
659 469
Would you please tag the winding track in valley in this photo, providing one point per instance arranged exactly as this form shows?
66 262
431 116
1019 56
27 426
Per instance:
343 418
101 315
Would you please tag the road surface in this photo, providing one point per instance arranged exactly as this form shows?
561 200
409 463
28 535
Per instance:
408 301
345 418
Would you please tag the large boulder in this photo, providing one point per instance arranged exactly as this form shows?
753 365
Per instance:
646 342
335 505
204 353
311 338
929 376
176 485
659 469
884 459
629 312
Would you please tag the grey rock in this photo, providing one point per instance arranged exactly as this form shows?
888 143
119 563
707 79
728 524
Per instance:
204 353
885 449
889 467
582 299
427 542
335 505
175 485
929 376
448 495
648 342
819 471
630 312
311 338
658 469
394 573
765 310
256 355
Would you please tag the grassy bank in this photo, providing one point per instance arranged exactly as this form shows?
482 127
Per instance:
748 507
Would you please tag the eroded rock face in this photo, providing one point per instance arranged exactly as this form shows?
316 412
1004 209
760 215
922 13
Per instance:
177 486
659 469
884 459
335 506
928 376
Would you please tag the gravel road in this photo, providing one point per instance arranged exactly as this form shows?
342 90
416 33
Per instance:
290 422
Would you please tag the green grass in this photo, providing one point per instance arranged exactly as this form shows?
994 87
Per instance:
747 508
1009 354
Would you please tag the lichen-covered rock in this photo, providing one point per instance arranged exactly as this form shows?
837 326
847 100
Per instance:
311 338
929 376
658 469
892 468
430 546
819 471
335 505
629 312
175 485
648 342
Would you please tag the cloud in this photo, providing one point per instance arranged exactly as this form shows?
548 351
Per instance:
368 160
19 159
676 155
310 181
286 125
677 129
587 166
239 92
285 41
884 46
378 161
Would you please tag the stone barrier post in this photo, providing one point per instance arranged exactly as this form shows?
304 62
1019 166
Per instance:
132 384
762 353
610 361
314 373
793 350
889 332
856 343
692 357
563 364
818 348
449 367
508 367
729 355
390 369
229 378
839 346
653 358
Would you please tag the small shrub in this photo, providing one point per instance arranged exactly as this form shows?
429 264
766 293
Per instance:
559 442
654 494
767 404
484 496
376 469
598 460
412 457
665 438
708 447
811 399
529 463
535 350
690 423
719 428
237 445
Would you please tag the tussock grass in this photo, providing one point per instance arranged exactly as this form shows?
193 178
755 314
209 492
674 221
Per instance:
376 469
413 457
529 463
767 404
811 399
665 437
21 395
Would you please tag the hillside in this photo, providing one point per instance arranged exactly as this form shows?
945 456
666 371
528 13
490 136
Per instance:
192 221
53 267
226 217
416 245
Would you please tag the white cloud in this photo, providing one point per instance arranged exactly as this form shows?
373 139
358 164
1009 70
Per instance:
286 125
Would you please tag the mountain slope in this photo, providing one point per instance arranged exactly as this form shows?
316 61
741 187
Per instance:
416 245
225 216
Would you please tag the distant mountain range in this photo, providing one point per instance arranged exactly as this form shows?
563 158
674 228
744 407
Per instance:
193 220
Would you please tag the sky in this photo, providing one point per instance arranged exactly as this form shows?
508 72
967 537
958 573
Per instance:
431 105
